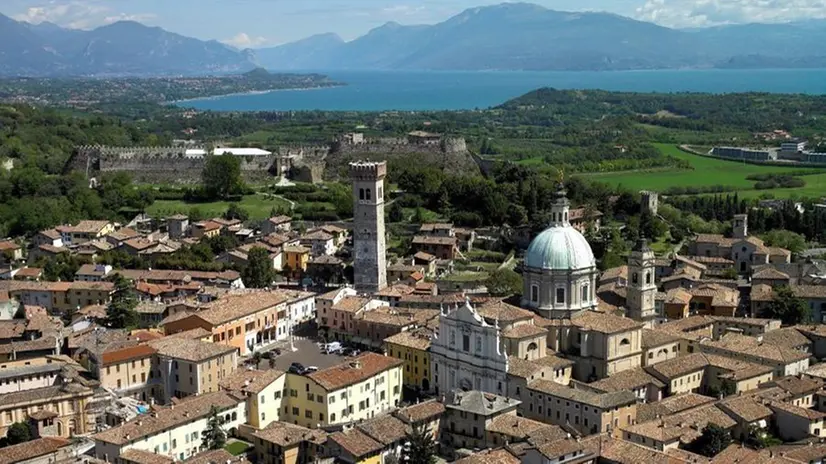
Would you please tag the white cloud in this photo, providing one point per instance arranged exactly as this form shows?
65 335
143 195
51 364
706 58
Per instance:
696 13
77 14
243 40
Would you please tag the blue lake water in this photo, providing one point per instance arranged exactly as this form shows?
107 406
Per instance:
456 90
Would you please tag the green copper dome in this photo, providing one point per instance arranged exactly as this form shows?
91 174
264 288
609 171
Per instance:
560 248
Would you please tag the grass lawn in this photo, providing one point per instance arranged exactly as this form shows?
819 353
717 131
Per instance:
709 172
237 447
467 276
258 206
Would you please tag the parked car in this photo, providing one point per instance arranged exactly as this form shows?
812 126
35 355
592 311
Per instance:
310 369
297 368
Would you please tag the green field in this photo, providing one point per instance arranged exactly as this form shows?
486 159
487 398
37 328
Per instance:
710 172
258 206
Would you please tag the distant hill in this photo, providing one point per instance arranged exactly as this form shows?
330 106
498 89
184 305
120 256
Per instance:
510 36
521 36
121 48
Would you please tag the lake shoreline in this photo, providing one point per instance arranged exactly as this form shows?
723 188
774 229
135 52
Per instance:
380 91
250 92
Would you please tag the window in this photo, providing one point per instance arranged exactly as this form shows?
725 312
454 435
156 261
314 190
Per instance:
466 342
368 194
647 277
560 295
478 344
361 194
333 417
452 337
295 411
634 278
585 293
535 293
624 342
308 414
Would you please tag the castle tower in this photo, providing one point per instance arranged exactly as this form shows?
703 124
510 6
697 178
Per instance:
370 263
650 202
740 225
642 288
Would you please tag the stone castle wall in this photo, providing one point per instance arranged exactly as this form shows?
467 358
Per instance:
307 163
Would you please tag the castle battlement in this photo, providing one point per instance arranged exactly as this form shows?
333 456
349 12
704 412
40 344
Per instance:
367 170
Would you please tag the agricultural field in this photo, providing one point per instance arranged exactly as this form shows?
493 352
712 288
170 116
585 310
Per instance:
709 172
258 206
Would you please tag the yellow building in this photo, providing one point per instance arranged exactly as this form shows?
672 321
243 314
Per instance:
85 231
263 391
187 367
412 347
355 390
282 443
245 321
296 258
128 371
58 410
206 229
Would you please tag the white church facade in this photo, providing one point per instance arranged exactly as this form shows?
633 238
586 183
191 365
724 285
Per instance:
467 354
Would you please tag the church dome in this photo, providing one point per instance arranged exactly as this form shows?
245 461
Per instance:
560 248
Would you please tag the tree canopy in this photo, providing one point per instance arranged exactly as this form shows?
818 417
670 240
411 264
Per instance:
259 272
121 314
214 437
221 176
713 440
789 308
504 282
420 447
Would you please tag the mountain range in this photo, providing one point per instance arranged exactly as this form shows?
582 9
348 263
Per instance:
511 36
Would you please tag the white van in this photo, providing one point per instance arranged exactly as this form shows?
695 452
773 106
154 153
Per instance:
332 348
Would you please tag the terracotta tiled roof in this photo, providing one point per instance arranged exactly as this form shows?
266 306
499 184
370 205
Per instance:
750 346
250 381
685 426
278 220
770 273
127 354
497 456
165 418
627 380
514 426
652 338
87 227
615 273
589 397
619 451
789 408
356 443
138 456
31 449
504 312
355 370
386 429
796 385
809 291
787 337
189 349
745 408
430 240
671 405
418 339
351 304
678 367
426 410
524 331
285 434
319 235
232 307
604 323
421 255
737 370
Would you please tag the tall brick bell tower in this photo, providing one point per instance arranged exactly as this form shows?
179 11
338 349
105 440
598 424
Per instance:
369 248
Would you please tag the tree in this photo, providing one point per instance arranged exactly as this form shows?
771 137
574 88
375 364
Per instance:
504 282
235 211
214 436
259 271
395 213
18 432
120 314
713 440
785 239
788 308
420 447
221 176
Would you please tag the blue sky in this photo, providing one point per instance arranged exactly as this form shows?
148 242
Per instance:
259 23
